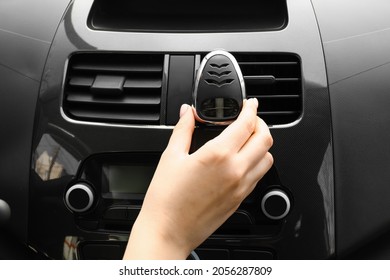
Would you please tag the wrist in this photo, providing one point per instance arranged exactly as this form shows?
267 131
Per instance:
149 241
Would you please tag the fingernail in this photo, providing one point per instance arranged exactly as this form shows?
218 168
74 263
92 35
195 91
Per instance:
183 109
255 101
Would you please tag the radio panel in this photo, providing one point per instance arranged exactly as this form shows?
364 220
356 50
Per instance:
111 187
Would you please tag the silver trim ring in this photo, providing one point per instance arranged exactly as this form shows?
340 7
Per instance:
281 194
195 256
5 211
85 188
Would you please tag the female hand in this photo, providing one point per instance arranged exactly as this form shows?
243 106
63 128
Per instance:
191 195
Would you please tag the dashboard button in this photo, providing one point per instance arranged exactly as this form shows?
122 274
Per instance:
212 254
79 198
252 255
275 204
239 218
102 252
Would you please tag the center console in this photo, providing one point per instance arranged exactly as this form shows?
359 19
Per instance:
110 95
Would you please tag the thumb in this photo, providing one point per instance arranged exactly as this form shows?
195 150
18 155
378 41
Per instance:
181 137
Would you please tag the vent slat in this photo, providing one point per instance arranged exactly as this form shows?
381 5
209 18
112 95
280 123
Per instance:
287 79
114 88
276 96
126 100
275 113
80 81
267 79
275 80
267 63
262 80
143 83
117 115
117 68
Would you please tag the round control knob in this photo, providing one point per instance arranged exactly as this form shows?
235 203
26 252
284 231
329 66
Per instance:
193 256
79 198
5 212
275 204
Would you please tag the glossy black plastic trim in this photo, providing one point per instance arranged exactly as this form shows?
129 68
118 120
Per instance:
178 16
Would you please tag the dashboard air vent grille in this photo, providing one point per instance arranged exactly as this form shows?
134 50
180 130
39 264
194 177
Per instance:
275 80
121 88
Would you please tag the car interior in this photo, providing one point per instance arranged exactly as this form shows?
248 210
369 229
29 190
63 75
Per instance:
90 91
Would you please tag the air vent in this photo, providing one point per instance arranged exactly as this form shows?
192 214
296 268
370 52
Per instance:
114 88
275 80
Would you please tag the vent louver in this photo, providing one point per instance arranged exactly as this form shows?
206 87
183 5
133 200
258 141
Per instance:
275 80
124 88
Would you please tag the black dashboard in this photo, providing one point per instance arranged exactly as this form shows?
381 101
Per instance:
89 95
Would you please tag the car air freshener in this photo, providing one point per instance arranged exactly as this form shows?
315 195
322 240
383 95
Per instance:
219 89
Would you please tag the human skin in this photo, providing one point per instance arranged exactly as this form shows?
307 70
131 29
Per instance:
191 195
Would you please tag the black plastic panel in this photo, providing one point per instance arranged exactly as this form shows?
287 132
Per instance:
356 43
17 108
356 36
98 250
12 249
181 16
25 42
180 85
363 153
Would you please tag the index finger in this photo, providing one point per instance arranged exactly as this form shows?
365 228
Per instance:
238 132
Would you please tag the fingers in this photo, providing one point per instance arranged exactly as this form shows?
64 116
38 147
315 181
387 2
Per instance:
258 171
255 157
181 137
257 145
238 133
